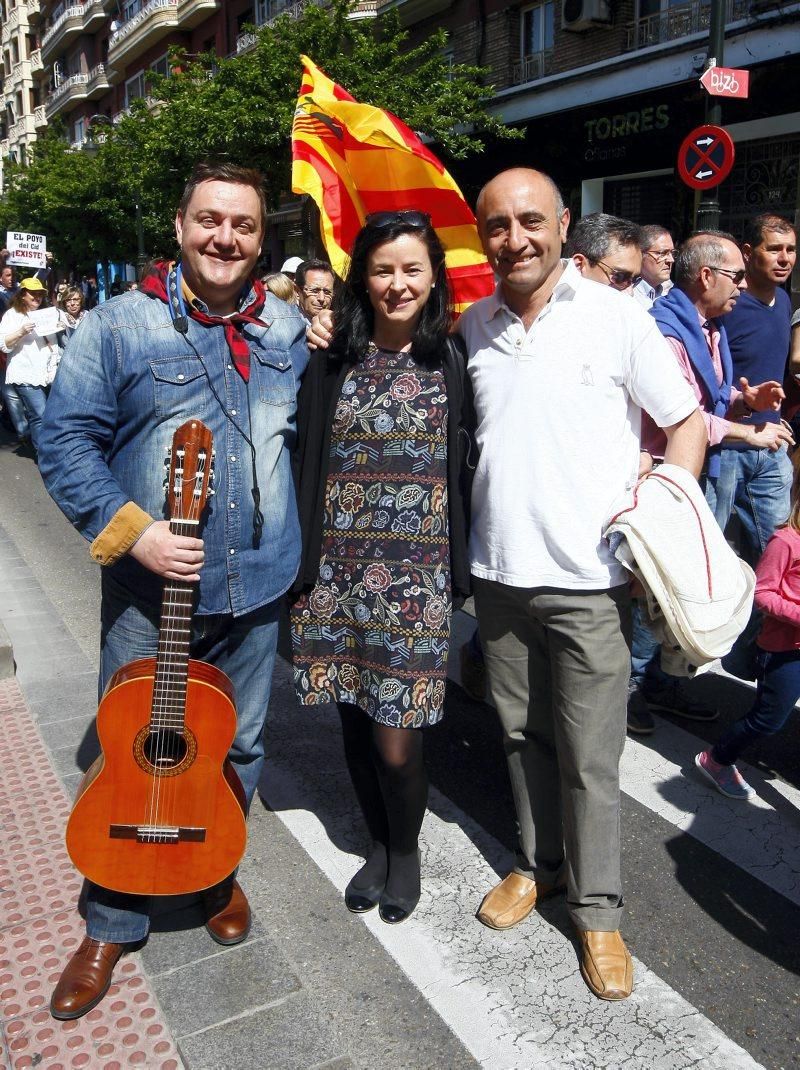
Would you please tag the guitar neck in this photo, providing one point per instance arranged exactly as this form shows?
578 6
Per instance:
172 658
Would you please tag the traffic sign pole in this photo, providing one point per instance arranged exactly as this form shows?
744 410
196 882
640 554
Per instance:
708 211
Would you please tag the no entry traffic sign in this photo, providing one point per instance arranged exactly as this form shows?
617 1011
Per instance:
705 157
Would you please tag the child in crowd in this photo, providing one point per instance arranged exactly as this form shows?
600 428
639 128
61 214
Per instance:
778 598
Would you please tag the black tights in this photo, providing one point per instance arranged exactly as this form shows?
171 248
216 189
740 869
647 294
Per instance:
388 772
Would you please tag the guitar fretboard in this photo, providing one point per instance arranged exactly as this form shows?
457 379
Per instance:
172 658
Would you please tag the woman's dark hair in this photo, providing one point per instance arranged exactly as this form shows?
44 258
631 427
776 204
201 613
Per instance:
354 317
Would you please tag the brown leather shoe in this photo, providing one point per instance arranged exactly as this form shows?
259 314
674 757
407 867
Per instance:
86 979
227 913
512 900
606 964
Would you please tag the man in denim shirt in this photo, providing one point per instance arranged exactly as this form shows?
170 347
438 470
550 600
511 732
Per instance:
199 339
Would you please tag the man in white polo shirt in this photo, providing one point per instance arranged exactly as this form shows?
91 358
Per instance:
561 369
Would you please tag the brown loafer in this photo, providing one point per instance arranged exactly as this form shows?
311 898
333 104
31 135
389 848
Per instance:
512 900
86 979
606 964
228 917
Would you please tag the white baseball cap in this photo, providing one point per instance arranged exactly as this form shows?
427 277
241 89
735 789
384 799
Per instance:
292 264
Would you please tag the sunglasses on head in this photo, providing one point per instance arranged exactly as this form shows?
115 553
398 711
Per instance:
387 219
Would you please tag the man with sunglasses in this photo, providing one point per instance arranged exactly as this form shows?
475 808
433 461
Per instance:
709 280
658 256
607 250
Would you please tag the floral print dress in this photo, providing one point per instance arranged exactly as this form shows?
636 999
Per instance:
374 630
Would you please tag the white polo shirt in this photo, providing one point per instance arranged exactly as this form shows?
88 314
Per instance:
558 423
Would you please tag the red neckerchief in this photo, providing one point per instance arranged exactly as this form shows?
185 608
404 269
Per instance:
154 284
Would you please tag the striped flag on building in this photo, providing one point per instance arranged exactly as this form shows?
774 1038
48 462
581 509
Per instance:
354 159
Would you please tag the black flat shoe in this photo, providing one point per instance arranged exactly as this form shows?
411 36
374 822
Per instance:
394 913
360 900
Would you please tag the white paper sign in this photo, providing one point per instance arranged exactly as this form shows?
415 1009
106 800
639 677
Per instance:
26 250
46 321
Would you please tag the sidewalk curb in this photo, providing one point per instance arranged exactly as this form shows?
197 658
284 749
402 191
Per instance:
7 669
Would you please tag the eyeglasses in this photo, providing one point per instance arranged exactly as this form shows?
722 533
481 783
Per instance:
318 291
617 277
735 276
665 254
387 219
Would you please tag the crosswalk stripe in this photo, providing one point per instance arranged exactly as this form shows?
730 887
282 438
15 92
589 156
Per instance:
515 999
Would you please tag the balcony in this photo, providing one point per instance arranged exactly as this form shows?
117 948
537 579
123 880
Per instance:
244 42
532 68
22 128
10 25
155 20
411 11
40 117
20 72
36 61
677 22
66 26
71 91
98 82
34 11
192 12
5 148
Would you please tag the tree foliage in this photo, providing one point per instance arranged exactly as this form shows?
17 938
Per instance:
239 108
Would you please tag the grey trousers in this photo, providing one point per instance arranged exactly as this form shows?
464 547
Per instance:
558 663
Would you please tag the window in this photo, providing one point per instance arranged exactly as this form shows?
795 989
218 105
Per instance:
79 130
161 66
537 29
134 88
130 8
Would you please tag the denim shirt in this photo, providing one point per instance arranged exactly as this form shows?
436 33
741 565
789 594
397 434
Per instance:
127 380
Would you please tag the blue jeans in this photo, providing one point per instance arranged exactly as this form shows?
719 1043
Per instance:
34 399
16 410
755 484
778 690
242 647
646 668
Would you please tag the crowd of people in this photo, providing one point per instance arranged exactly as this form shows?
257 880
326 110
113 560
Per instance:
377 465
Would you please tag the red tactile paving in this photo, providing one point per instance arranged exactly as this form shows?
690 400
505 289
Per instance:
40 927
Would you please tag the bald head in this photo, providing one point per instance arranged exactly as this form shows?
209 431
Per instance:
522 224
516 175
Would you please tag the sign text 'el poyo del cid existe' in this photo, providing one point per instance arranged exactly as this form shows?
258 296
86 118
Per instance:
706 157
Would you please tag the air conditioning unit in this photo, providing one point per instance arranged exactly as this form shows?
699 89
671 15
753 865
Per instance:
581 15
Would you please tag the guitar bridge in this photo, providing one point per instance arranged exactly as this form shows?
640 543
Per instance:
157 833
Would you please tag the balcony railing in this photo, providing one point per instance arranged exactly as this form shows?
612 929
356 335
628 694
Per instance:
74 11
36 60
244 42
677 22
136 20
66 88
20 72
32 8
532 68
40 116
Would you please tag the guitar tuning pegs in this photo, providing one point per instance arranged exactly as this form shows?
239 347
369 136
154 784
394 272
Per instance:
211 492
167 462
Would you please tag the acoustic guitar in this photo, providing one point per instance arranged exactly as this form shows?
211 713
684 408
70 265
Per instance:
162 810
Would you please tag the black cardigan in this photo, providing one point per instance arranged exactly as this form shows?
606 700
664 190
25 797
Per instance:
316 404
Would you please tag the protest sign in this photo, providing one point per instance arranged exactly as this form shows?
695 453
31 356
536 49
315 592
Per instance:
26 250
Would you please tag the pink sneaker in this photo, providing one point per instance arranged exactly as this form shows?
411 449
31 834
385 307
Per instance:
725 778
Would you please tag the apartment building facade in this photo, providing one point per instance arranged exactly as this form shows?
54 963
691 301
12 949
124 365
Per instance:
606 90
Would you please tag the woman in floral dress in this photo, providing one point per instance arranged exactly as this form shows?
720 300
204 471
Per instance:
382 488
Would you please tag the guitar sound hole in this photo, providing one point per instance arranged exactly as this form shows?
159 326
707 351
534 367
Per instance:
165 749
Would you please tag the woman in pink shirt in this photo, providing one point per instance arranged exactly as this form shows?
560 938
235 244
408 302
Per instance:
778 598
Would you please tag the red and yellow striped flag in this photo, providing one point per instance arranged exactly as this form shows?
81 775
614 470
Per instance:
354 159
